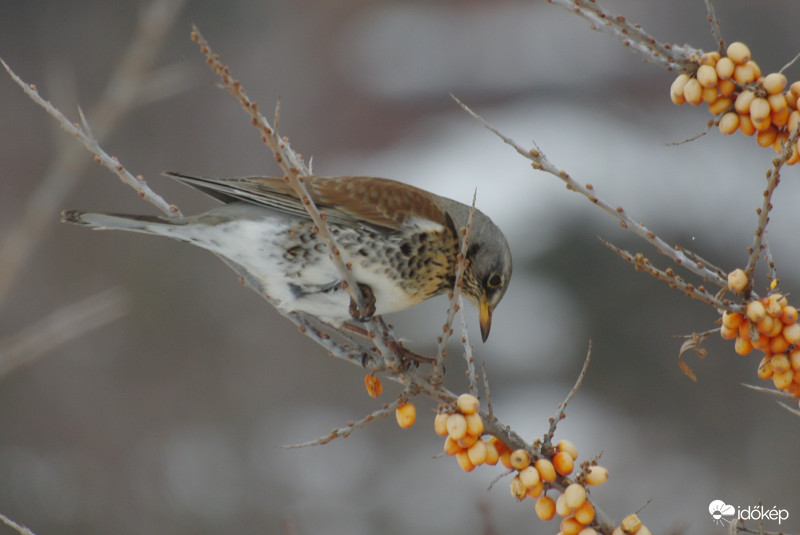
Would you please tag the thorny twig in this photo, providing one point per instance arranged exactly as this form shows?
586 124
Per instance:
713 22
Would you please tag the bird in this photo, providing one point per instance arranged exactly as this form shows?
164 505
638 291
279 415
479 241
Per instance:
402 242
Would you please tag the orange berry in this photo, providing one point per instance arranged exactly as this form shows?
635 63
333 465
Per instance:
745 74
570 526
456 425
545 508
463 461
596 475
440 424
530 477
746 125
732 320
780 363
569 447
709 95
505 459
755 311
474 424
499 444
492 455
707 76
727 333
406 415
794 360
468 404
794 89
536 490
574 496
792 333
374 386
780 118
710 58
520 459
759 113
477 453
725 67
743 101
743 346
546 470
739 53
728 123
451 447
764 368
719 105
793 122
778 344
726 88
467 441
587 531
518 490
788 315
767 137
777 103
737 280
765 325
563 463
585 513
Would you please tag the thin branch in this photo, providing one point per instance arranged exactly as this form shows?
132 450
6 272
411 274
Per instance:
469 358
60 326
22 530
562 407
345 431
713 23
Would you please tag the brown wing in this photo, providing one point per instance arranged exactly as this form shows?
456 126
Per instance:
372 201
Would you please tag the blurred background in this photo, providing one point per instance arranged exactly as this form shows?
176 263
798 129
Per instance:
167 415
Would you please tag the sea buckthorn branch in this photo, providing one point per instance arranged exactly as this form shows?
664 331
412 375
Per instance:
295 170
672 57
469 358
713 22
540 163
562 407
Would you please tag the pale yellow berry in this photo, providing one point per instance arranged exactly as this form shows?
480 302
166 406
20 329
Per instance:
643 530
783 380
737 280
676 89
774 83
794 359
406 415
725 67
709 95
710 58
467 441
563 463
756 69
477 452
774 304
569 447
546 470
561 506
755 311
587 531
780 363
474 424
759 113
693 92
745 74
631 524
793 122
720 105
738 52
545 508
794 89
728 123
574 496
792 333
777 103
440 424
468 404
520 459
518 490
451 447
707 76
456 426
596 475
529 477
585 513
743 101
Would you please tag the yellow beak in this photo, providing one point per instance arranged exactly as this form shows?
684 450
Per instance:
484 317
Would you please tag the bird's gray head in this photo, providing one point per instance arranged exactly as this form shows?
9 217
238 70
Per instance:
489 269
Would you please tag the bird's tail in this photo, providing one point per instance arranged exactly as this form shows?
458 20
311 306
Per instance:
133 223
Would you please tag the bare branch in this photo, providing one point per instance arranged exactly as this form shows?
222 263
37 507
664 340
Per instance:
547 446
713 23
22 530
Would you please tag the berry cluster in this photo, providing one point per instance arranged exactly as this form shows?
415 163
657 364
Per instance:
463 428
769 325
734 90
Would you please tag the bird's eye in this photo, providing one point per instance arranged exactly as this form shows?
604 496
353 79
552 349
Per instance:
495 280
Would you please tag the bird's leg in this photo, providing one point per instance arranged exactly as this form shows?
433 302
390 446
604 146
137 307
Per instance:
369 304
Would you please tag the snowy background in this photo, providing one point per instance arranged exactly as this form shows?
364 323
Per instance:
170 420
